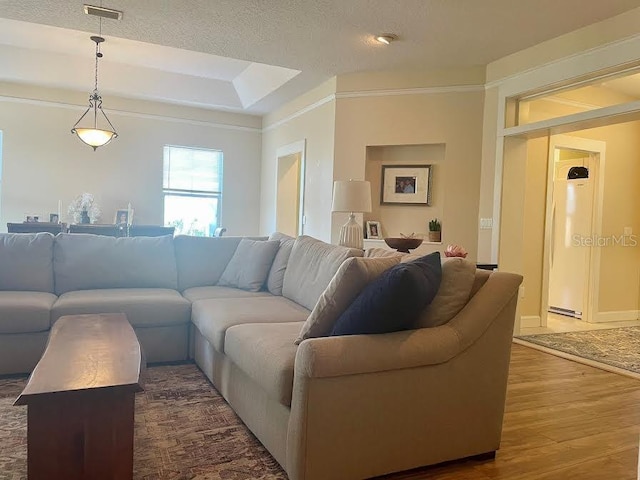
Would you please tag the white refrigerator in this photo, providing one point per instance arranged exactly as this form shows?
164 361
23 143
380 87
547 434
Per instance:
572 213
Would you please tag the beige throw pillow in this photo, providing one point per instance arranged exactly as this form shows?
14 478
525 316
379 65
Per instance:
458 276
250 265
353 275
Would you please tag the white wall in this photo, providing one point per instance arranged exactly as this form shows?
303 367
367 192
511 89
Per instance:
452 119
43 162
294 123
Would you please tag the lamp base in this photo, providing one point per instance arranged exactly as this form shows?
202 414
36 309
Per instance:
351 234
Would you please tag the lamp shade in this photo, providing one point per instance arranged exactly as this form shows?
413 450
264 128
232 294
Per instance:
351 196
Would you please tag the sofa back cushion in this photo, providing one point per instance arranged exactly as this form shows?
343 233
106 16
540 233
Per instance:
275 280
312 265
26 262
86 262
201 260
250 265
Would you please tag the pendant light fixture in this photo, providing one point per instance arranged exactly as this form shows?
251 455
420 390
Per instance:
92 135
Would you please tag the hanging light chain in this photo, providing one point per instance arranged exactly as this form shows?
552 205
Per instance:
95 88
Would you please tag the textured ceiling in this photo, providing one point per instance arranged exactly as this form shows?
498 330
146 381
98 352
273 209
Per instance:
323 38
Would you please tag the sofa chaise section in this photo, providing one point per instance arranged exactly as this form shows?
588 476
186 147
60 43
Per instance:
376 404
359 406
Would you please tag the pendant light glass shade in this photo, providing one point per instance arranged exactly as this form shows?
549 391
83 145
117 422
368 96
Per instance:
92 135
95 138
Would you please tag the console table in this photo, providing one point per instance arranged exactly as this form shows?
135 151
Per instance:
80 400
111 230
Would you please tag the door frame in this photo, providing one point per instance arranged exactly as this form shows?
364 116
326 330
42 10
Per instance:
299 147
586 145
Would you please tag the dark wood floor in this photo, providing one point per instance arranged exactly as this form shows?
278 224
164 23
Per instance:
563 421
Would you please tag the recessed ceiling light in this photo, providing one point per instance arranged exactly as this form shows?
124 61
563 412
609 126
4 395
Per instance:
386 38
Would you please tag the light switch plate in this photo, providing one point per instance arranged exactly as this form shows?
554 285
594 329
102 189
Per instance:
486 223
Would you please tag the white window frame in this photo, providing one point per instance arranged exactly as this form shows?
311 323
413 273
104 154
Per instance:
195 193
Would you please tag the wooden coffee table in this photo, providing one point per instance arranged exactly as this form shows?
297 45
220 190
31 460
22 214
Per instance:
80 400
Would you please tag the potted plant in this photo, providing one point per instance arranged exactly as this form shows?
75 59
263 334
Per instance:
435 230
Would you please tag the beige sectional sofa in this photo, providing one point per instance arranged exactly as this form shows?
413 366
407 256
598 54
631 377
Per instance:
343 407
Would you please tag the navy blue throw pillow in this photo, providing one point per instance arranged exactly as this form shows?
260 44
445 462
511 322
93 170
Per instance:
394 300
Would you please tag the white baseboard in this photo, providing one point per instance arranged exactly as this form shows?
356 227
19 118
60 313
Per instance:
621 316
530 321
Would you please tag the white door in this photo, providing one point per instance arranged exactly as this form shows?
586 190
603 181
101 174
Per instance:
571 236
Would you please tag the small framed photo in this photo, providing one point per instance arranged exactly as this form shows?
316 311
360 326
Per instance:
124 216
406 185
32 219
54 218
374 230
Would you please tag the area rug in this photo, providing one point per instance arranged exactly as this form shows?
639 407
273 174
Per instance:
616 347
184 430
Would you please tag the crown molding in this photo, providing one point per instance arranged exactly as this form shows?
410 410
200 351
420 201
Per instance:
126 113
412 91
375 93
302 111
514 76
570 103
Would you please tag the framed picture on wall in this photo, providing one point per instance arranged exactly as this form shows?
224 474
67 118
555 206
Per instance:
406 185
374 230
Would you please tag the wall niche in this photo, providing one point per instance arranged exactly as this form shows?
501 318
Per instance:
405 219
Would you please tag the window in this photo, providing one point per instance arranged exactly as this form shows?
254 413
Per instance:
607 89
192 187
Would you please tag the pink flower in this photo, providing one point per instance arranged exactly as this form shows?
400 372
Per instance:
455 251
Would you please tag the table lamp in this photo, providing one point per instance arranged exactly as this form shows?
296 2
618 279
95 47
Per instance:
353 196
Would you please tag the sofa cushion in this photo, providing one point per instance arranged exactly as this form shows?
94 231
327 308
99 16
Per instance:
353 275
458 276
213 317
201 260
394 300
144 307
89 262
266 353
250 265
194 294
480 279
377 252
275 280
311 267
25 312
26 262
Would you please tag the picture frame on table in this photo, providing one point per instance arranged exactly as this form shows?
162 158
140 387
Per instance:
123 216
374 230
54 218
406 185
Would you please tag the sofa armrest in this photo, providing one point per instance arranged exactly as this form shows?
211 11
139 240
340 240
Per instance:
356 354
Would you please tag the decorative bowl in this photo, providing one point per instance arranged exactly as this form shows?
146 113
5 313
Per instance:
403 244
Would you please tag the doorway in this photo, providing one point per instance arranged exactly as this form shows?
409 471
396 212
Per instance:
290 189
573 224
